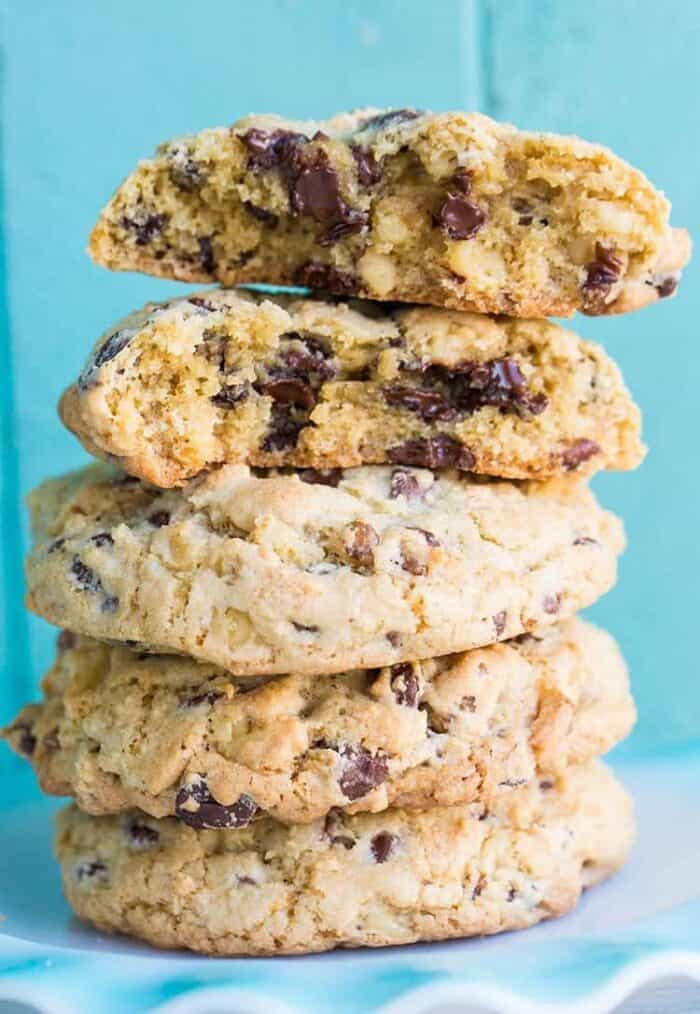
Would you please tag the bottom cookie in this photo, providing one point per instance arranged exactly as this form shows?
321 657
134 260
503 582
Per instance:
368 880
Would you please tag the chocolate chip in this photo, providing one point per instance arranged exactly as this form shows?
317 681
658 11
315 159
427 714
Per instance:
512 894
159 519
112 346
468 703
601 275
499 622
391 118
499 383
585 540
578 452
369 170
85 576
102 539
429 405
262 214
317 275
479 887
90 869
145 225
441 451
270 149
321 476
206 255
203 304
230 395
551 604
56 545
360 542
546 784
109 604
208 697
667 286
26 741
394 638
139 834
462 181
207 813
460 218
332 830
185 172
290 392
383 845
284 429
404 684
244 879
66 640
303 357
305 628
513 783
404 484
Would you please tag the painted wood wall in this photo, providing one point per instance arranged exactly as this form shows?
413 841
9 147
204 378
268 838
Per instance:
88 87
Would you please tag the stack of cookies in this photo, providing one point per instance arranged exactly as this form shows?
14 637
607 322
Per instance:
321 681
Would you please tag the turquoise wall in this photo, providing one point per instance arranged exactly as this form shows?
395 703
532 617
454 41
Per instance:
88 87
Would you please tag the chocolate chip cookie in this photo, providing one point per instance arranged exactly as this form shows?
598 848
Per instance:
231 376
119 729
374 880
451 209
262 573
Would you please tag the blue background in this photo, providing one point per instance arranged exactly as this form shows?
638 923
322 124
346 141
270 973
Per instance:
88 88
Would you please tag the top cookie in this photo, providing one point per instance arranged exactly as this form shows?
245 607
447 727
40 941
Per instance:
234 376
451 209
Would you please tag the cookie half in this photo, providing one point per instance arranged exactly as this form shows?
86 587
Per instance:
263 573
120 730
451 209
232 376
369 880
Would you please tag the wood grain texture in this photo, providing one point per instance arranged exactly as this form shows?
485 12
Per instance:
88 88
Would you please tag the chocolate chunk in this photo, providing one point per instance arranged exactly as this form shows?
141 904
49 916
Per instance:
462 181
207 813
290 392
230 395
578 452
139 834
551 604
470 386
56 545
284 429
109 604
391 118
362 770
383 845
394 638
102 539
441 451
159 519
360 542
546 784
479 887
585 540
66 640
460 218
315 191
90 869
499 622
428 405
262 214
468 703
512 893
317 275
271 149
145 225
404 484
321 476
303 357
667 286
206 255
404 684
369 170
